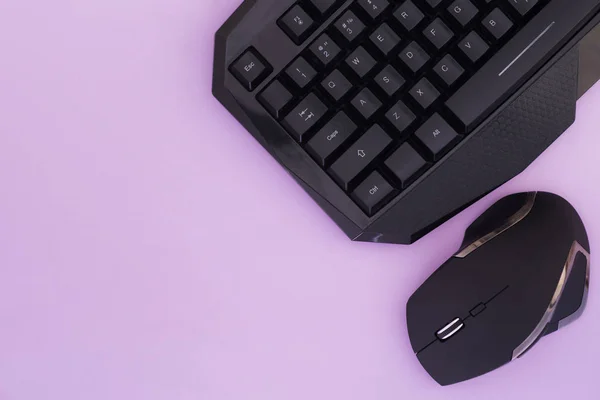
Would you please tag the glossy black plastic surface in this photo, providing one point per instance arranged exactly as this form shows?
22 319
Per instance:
500 148
515 275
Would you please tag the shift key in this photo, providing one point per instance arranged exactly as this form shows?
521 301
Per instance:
359 156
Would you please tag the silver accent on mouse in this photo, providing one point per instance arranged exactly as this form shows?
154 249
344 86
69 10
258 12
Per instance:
510 222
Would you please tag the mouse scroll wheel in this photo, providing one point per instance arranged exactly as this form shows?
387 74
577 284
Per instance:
450 329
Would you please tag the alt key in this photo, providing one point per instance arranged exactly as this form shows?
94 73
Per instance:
373 193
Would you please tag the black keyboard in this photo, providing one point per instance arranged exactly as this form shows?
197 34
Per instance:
376 97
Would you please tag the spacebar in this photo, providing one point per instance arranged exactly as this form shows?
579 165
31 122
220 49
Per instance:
520 58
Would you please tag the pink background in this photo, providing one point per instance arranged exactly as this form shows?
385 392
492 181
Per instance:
150 249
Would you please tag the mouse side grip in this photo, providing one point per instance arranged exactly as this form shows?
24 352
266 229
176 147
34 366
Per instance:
574 297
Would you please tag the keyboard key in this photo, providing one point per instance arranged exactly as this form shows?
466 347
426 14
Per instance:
463 11
366 103
406 164
437 136
473 46
331 137
389 80
323 5
250 69
414 57
336 85
385 39
349 26
304 116
373 7
301 72
275 98
438 33
497 23
424 93
325 49
297 24
507 75
400 116
372 194
448 70
361 62
409 15
434 3
523 6
360 155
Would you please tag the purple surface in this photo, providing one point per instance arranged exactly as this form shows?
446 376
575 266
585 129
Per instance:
150 249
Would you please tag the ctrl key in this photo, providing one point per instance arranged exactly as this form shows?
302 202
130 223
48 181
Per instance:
372 194
250 69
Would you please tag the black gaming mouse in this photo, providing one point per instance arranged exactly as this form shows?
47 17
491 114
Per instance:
522 272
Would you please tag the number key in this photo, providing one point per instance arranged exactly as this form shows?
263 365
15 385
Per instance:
325 49
297 24
301 72
374 7
350 26
323 5
433 3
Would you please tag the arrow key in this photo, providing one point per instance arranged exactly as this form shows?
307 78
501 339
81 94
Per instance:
359 156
